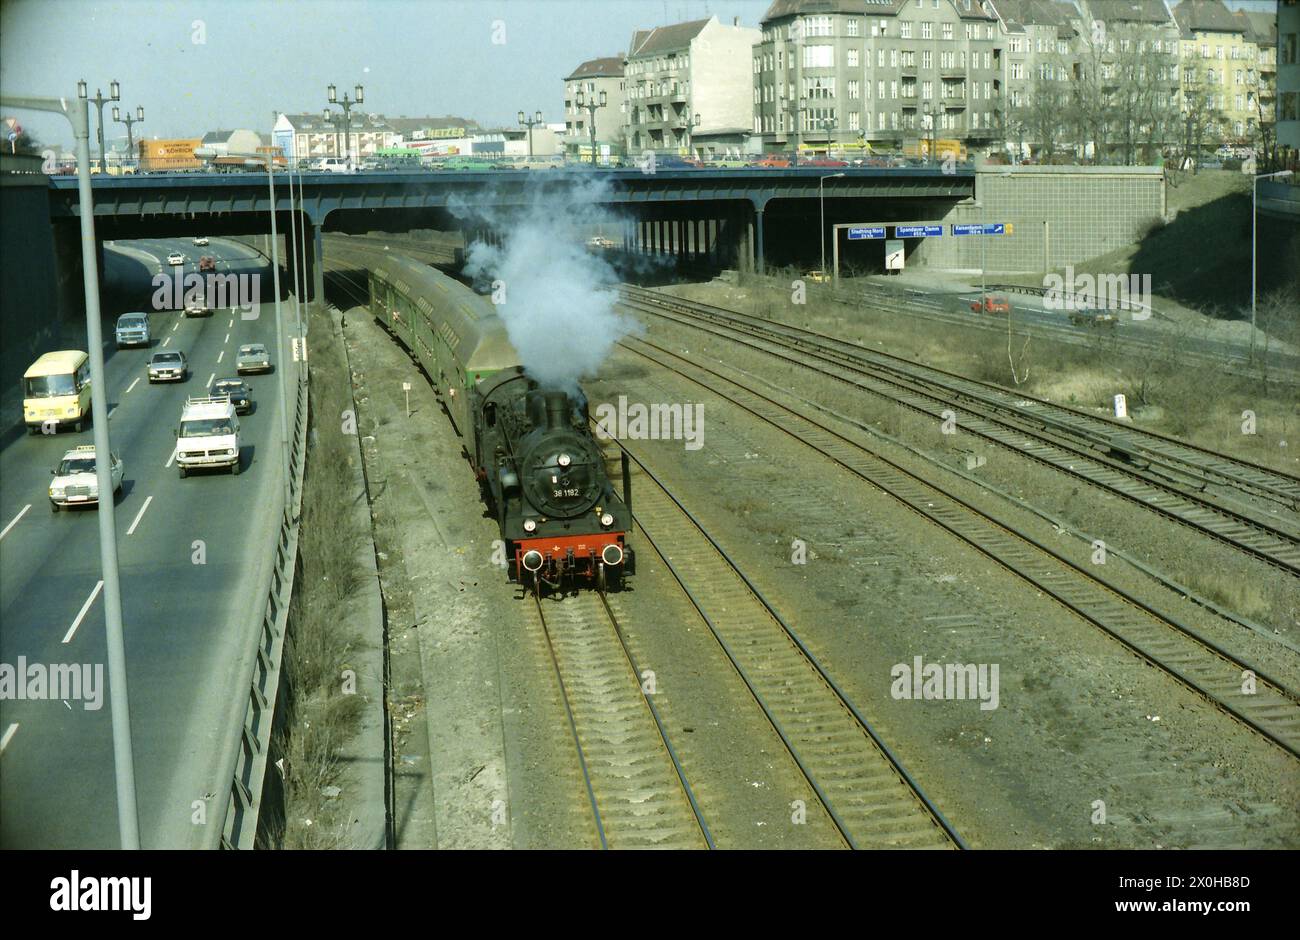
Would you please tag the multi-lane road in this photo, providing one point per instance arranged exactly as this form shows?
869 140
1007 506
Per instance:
193 554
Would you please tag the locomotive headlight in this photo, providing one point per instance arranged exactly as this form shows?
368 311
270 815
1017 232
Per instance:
564 460
607 519
530 525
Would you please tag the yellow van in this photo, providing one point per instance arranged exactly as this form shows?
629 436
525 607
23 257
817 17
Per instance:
56 390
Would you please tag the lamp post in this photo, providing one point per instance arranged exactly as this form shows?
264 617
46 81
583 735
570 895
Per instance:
798 126
128 121
77 112
590 107
524 121
346 104
1254 195
928 113
114 94
829 124
821 198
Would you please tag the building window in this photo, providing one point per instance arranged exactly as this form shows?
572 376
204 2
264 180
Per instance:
947 31
855 120
927 60
1289 49
927 30
818 57
880 58
893 58
905 29
852 27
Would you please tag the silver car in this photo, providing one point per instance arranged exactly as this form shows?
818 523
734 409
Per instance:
252 357
168 367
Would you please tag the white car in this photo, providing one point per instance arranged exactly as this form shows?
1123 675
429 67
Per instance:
75 483
175 258
168 366
332 165
208 436
201 241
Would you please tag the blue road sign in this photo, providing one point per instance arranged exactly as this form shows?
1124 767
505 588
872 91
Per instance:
987 228
873 231
917 231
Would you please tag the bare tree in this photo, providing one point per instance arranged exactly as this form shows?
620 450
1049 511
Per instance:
1202 115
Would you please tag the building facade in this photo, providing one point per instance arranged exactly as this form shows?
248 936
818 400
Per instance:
687 81
1288 75
844 74
1220 69
587 83
1042 42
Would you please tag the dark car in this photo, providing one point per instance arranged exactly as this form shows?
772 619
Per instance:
237 390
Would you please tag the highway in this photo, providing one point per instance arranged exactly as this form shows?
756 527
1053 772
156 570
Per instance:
193 555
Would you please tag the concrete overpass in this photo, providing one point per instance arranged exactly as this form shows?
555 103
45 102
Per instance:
724 214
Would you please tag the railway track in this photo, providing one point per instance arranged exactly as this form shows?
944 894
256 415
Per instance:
1163 475
865 790
1272 710
637 788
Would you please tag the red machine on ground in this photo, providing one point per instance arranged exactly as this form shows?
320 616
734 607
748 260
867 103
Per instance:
990 304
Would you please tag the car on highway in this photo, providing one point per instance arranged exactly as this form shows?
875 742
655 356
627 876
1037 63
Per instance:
208 436
201 241
332 165
252 357
75 483
132 330
197 308
990 303
168 367
237 390
1093 317
175 258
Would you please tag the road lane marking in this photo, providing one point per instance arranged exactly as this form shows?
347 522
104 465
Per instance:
166 341
231 323
221 355
99 586
111 410
139 515
177 326
211 377
22 512
175 447
227 339
131 386
8 736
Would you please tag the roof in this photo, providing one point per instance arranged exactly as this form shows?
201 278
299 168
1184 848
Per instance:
1017 14
608 67
1261 28
1130 11
784 8
665 38
54 363
213 137
1207 16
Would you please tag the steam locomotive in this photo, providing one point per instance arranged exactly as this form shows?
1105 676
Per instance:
539 468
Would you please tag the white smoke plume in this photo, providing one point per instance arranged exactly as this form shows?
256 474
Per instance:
558 297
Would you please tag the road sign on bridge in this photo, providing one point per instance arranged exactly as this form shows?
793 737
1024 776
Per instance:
866 231
917 231
986 228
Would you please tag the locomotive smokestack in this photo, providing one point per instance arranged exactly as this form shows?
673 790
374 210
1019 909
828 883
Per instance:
557 410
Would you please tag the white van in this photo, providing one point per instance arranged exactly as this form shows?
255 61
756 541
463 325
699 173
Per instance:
208 435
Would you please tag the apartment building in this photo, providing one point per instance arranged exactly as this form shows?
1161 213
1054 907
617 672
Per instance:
310 136
841 74
1041 39
1220 67
586 83
1288 75
688 87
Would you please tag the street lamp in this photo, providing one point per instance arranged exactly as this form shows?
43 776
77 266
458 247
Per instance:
530 124
114 94
821 198
1254 192
590 107
78 114
798 126
346 104
128 121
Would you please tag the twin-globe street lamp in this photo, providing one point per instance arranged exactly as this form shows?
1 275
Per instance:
590 107
525 121
114 94
77 111
128 121
1254 195
346 104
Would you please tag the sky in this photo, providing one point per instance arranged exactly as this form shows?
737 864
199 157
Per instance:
203 65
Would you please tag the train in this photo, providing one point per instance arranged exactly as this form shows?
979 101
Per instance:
539 468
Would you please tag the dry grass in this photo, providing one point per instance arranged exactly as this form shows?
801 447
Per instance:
321 717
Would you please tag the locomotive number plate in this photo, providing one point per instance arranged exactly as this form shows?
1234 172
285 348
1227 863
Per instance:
560 494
